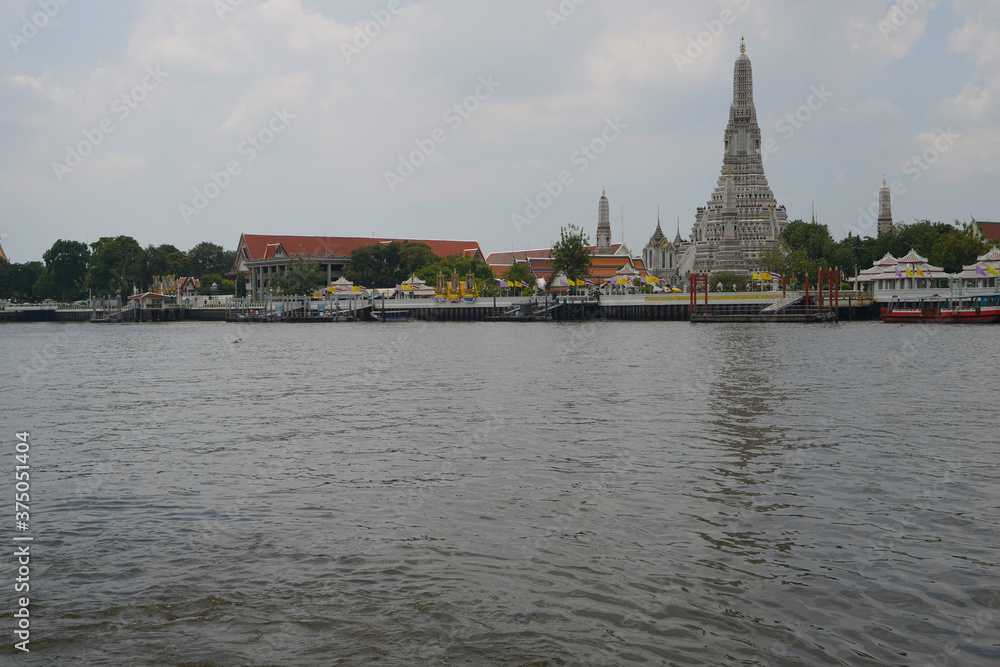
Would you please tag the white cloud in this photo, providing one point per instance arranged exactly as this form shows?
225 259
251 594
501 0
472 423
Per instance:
43 88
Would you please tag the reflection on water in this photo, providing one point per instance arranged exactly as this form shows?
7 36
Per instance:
596 493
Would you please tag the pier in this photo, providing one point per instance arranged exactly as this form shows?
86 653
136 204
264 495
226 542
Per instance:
721 307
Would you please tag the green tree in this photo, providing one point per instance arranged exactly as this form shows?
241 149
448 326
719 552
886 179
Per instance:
17 281
520 273
459 264
388 264
210 258
115 266
225 286
65 271
300 277
164 260
570 255
950 246
805 248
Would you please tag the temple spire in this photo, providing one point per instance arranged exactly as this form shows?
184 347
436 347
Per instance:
884 209
742 219
603 225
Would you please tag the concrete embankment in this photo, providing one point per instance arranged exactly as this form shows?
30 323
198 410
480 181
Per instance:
721 307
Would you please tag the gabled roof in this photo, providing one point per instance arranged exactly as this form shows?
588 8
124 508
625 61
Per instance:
514 255
887 268
992 256
503 260
985 264
266 246
601 266
912 258
988 230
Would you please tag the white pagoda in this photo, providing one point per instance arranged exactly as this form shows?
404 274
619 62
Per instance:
906 273
984 272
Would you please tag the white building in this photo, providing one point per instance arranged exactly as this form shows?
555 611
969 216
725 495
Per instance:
893 275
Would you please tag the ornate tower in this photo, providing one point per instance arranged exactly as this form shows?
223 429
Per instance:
884 209
603 226
742 210
660 255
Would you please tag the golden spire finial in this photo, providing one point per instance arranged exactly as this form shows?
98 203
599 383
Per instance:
883 181
604 191
743 46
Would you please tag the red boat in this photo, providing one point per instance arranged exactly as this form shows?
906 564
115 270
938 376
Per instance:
970 309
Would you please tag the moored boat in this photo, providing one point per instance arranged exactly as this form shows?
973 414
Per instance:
958 310
392 316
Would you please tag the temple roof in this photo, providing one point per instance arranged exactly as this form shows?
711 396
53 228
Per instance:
658 238
989 230
266 246
992 256
890 268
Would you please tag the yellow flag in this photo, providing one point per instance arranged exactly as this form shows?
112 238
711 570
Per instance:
756 276
909 272
990 270
510 283
765 275
920 272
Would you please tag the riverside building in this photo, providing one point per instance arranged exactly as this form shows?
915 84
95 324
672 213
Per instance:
262 258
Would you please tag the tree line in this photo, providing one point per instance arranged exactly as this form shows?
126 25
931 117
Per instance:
112 266
806 248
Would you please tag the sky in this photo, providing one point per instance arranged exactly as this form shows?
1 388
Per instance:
182 121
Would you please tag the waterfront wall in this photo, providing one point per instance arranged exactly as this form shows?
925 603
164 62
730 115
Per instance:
616 307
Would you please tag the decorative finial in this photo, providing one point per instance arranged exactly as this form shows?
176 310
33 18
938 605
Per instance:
883 181
743 46
604 192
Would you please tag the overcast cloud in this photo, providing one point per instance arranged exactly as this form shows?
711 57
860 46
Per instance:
202 120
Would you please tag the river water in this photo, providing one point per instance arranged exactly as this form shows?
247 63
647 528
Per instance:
472 494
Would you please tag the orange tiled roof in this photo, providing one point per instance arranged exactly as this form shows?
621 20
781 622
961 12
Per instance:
500 261
601 266
263 246
990 230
